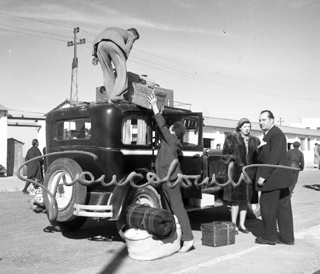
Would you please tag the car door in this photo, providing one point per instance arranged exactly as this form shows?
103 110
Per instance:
192 160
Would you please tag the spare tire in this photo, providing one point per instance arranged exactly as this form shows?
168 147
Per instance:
66 196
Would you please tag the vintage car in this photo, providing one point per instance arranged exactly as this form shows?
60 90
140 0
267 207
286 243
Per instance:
118 139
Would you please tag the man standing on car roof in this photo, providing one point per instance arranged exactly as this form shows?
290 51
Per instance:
111 48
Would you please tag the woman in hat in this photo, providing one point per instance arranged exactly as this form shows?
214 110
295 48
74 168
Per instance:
242 148
296 159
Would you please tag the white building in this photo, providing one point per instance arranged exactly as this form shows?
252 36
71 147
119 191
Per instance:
308 123
215 129
3 135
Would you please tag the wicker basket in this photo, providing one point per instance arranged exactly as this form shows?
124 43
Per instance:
143 246
218 233
141 93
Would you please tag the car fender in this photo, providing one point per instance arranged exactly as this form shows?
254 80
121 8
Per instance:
121 193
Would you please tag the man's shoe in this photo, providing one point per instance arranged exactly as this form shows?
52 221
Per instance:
262 241
25 192
187 245
279 241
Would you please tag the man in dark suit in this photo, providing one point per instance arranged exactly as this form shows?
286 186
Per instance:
170 149
274 183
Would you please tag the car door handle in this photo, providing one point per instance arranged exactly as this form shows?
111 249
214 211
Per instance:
197 155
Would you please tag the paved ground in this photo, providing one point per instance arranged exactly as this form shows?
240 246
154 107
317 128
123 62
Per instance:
11 184
28 244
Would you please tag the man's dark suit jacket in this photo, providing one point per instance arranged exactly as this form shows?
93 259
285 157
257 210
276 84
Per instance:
170 149
274 152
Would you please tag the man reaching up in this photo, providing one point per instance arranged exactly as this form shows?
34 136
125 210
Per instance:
170 149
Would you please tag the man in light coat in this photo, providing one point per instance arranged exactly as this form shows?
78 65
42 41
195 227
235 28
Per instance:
111 49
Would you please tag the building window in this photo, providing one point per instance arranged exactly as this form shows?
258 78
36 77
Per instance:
207 142
302 142
318 128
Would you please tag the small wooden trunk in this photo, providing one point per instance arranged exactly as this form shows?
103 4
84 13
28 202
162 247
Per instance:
218 233
141 93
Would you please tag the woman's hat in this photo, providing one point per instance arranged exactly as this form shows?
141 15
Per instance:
243 121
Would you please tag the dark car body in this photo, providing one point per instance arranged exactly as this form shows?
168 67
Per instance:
123 137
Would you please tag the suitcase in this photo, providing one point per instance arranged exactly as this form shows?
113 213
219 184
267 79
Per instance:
218 233
141 94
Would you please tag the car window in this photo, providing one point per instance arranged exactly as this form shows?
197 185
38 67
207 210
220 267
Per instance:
136 130
191 137
73 129
191 123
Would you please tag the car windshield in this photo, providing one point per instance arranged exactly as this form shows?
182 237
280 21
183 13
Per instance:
191 123
73 129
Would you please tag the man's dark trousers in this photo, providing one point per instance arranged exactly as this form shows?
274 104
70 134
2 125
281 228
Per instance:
172 201
276 205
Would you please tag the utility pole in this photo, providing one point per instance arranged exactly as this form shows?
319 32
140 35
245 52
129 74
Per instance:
280 121
74 72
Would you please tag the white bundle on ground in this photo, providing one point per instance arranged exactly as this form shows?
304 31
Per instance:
144 246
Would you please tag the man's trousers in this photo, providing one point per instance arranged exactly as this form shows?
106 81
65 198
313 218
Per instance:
116 84
172 201
276 211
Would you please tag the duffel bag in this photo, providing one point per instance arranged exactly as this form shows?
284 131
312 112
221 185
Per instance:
158 222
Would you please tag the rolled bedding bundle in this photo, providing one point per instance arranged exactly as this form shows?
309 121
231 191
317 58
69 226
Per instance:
156 221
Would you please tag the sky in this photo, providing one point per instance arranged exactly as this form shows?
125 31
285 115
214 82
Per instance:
227 59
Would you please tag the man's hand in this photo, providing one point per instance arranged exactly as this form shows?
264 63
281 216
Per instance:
261 181
152 99
95 61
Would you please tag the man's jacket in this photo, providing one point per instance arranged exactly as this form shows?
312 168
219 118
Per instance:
169 150
122 38
274 152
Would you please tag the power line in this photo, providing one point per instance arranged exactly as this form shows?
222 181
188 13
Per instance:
216 73
195 68
88 32
36 31
189 76
44 37
44 22
41 113
206 80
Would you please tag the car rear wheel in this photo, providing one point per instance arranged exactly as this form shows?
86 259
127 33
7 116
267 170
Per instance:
145 196
142 196
61 170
